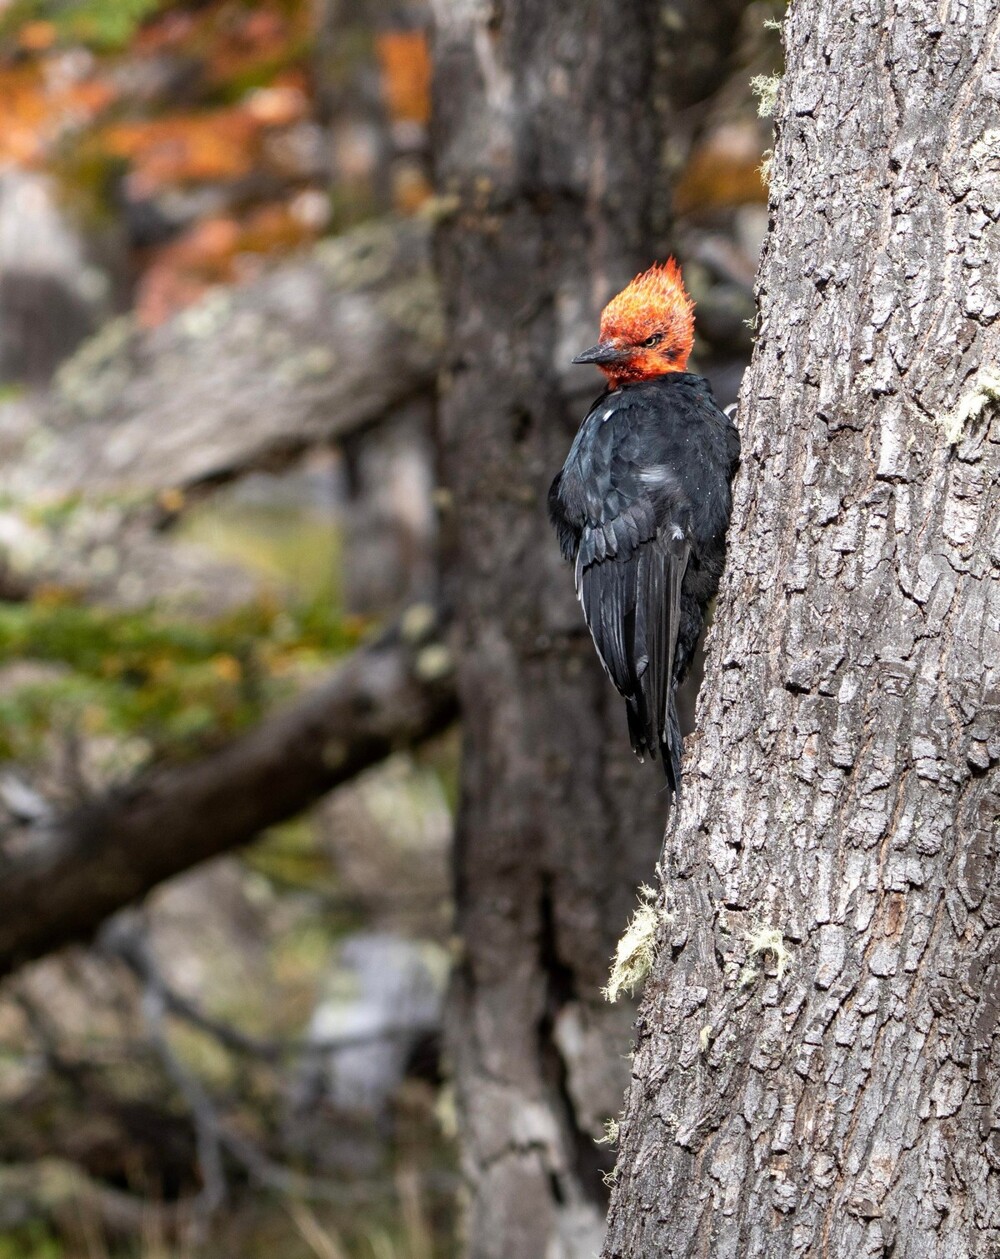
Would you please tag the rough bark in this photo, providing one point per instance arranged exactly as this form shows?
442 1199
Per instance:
818 1061
393 694
549 130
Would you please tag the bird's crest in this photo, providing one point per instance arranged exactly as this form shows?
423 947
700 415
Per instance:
656 306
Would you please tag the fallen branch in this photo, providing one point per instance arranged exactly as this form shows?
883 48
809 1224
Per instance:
82 868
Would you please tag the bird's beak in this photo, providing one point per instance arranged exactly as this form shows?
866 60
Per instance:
603 352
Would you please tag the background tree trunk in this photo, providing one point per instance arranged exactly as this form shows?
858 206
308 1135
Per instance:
550 122
818 1062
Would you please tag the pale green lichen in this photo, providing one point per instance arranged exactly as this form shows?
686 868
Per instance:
768 943
440 208
610 1133
984 392
636 951
417 622
433 663
764 169
206 318
313 363
747 977
92 378
414 306
364 257
766 87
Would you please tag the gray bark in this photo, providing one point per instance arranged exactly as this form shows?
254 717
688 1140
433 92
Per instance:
550 123
817 1070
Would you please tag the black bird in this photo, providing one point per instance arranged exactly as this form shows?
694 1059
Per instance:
642 505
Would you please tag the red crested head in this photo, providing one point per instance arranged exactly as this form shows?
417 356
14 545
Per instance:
647 330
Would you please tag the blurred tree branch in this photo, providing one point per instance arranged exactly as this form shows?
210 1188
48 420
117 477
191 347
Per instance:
125 937
321 349
246 379
109 852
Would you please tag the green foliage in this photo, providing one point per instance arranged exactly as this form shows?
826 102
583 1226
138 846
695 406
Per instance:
289 859
175 684
282 543
106 25
33 1241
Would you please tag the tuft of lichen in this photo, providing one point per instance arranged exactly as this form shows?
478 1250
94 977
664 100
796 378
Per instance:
636 951
610 1133
985 390
313 363
417 622
207 317
765 87
433 663
440 208
768 942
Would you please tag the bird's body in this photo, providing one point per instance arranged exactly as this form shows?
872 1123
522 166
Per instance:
641 508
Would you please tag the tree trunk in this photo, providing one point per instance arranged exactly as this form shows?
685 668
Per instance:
549 133
818 1062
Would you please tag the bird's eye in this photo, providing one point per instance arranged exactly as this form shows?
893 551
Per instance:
655 339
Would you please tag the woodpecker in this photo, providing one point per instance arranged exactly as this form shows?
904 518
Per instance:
642 505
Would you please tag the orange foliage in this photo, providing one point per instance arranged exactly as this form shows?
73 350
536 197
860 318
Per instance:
37 111
405 62
232 39
37 36
213 251
410 188
185 148
167 33
273 228
245 75
178 273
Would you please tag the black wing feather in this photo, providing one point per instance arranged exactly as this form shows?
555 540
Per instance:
631 603
642 505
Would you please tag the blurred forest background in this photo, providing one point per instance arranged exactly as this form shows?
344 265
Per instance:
220 339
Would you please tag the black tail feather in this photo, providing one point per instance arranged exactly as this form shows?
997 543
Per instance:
672 747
